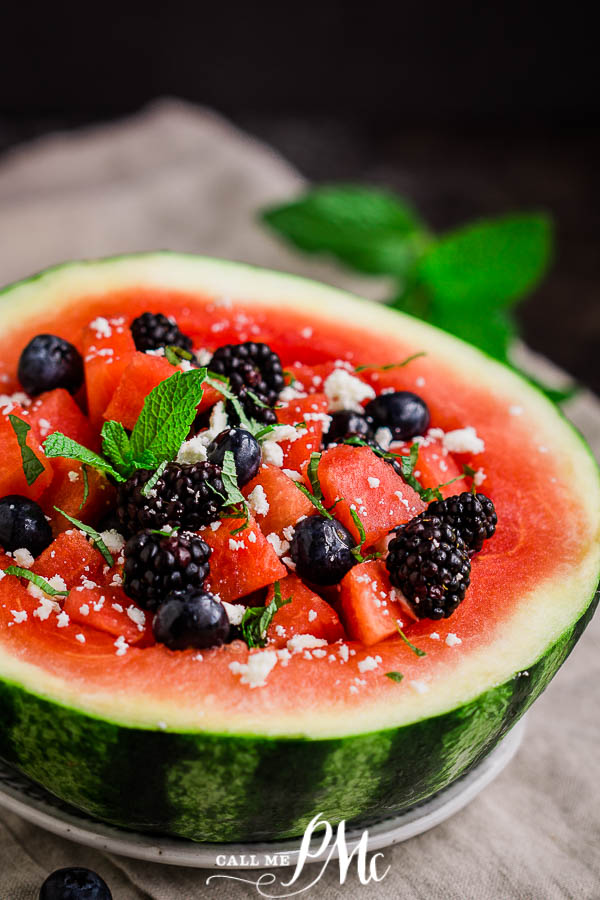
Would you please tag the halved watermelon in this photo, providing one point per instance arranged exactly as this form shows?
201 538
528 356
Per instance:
233 744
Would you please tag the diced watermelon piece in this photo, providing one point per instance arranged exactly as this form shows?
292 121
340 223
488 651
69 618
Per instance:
435 467
240 563
110 610
368 606
57 411
142 375
67 491
311 410
5 560
381 498
303 378
306 614
106 357
70 555
286 503
12 476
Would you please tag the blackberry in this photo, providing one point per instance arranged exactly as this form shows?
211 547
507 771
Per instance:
252 369
153 330
185 495
473 516
191 619
49 362
429 562
157 565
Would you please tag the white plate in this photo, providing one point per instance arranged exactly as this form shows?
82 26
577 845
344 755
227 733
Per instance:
32 803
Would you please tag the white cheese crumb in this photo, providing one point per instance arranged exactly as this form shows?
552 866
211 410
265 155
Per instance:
288 532
452 640
306 332
280 547
343 652
291 473
257 501
137 616
194 450
463 440
312 615
235 612
252 537
80 637
113 540
236 545
304 642
289 562
102 327
62 620
19 615
121 645
84 610
479 477
373 482
345 391
73 476
368 663
46 607
256 671
23 558
434 636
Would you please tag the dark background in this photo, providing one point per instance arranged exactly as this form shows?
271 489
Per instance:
468 109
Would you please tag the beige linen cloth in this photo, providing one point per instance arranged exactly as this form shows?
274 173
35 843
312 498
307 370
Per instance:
181 178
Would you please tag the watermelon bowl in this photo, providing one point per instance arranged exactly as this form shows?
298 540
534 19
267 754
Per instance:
203 745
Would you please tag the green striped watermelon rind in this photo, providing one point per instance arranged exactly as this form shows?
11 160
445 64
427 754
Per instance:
223 787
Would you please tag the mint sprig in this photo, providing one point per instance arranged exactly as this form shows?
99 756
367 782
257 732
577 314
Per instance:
58 444
416 650
466 281
257 619
32 466
35 579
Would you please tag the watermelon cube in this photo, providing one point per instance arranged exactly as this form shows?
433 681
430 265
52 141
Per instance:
369 605
67 492
71 556
435 467
277 503
12 476
240 563
110 610
313 411
106 353
57 411
363 481
306 614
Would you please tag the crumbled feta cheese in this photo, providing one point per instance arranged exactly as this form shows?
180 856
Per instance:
306 332
301 642
434 636
463 440
289 562
113 540
368 663
256 671
19 615
137 616
280 547
288 532
345 391
311 615
344 652
373 482
384 437
479 477
291 473
46 607
84 609
194 450
62 619
73 476
257 501
452 640
235 612
80 637
23 558
236 545
121 645
102 327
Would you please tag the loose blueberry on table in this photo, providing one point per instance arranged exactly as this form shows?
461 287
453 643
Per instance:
222 484
74 883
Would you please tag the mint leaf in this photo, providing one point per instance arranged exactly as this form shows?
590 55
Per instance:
416 650
257 619
175 355
35 579
371 230
233 495
58 444
93 534
394 676
389 366
313 475
166 417
149 486
315 502
495 261
221 384
32 466
86 486
116 446
357 551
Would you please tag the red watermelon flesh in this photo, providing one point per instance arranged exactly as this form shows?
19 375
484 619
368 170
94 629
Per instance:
307 613
57 411
67 492
107 349
240 563
381 498
313 411
286 503
143 373
435 467
110 610
368 604
71 556
12 476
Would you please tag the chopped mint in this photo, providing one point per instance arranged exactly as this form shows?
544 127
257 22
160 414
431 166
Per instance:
149 486
414 649
316 495
32 466
257 619
389 366
175 355
86 485
394 676
35 579
233 495
357 551
221 384
92 533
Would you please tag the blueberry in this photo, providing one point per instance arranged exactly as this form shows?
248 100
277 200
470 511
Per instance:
321 549
245 449
74 883
191 619
49 362
23 524
404 413
346 423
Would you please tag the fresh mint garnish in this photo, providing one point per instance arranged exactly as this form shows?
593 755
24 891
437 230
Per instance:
389 366
394 676
32 466
233 495
315 495
176 355
357 551
92 533
35 579
149 486
467 281
257 619
86 485
58 444
221 384
414 649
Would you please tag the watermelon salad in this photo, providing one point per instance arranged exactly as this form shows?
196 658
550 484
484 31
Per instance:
261 539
